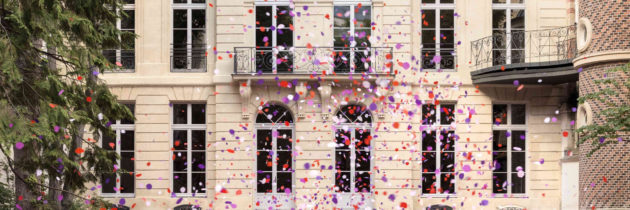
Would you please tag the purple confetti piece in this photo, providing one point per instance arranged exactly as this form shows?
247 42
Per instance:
484 203
149 186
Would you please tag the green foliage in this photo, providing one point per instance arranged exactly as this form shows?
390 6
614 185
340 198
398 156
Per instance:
616 113
50 59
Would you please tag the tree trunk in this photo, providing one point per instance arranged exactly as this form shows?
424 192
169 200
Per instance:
22 189
53 194
68 186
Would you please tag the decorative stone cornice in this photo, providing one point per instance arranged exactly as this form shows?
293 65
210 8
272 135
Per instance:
324 92
601 57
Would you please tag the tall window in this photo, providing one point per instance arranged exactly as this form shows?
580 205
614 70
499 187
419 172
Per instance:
438 34
274 37
508 31
121 184
124 58
189 153
353 153
274 157
508 148
189 35
438 149
352 30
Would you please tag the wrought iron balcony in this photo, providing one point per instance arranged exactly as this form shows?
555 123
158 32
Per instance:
188 58
313 60
125 60
535 52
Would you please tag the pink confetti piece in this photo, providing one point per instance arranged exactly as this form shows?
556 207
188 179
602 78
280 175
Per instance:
19 145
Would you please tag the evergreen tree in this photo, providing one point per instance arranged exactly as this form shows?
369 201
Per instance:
51 97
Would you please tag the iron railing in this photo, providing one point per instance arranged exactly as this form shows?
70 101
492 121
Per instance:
539 46
188 58
125 60
313 60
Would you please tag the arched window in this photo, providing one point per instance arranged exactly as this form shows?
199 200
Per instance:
274 156
353 149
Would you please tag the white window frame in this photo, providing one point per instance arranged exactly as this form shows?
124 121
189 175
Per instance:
274 127
352 195
120 128
188 6
509 127
508 7
438 150
352 4
437 7
274 33
188 127
118 51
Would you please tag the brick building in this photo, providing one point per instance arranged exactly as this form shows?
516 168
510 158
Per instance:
386 104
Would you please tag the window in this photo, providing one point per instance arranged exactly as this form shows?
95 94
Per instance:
274 156
124 58
438 149
353 153
122 183
274 37
187 207
438 34
189 153
189 35
352 31
439 207
508 148
508 31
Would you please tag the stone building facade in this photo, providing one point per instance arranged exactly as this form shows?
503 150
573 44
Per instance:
322 104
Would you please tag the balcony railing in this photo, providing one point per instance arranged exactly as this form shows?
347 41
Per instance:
313 60
540 46
188 58
124 60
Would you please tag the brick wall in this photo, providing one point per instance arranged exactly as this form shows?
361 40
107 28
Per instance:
611 23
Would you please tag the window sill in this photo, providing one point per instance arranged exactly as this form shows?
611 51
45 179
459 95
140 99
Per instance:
507 195
186 195
118 195
438 195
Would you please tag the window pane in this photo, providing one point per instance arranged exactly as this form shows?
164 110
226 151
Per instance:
285 38
108 183
499 1
448 59
428 1
342 138
447 140
446 18
263 38
342 38
518 140
518 161
199 183
363 17
180 18
127 21
447 184
126 161
518 183
499 161
198 18
498 19
447 162
518 114
180 40
285 139
180 113
362 182
428 162
499 114
362 161
446 1
127 140
180 183
363 139
447 39
447 114
263 182
198 114
263 16
428 141
198 140
499 140
517 19
127 183
198 1
132 108
180 140
499 183
516 1
427 59
198 41
342 160
361 37
129 1
284 182
179 1
428 184
108 142
428 114
284 16
199 161
179 161
263 161
342 16
263 140
285 162
342 182
428 19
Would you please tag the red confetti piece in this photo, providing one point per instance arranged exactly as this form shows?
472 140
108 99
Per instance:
88 99
230 150
79 150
